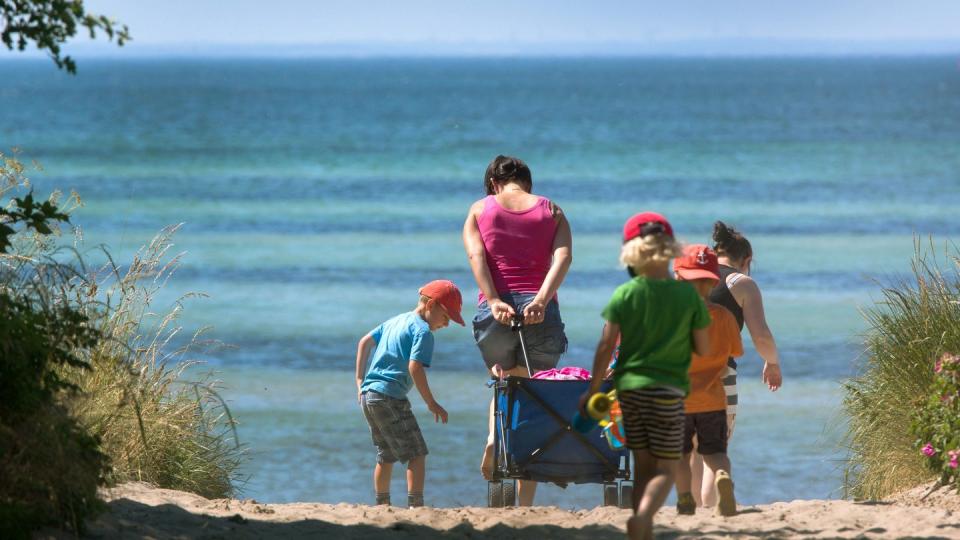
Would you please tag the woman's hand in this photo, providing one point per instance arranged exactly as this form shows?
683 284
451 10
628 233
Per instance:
534 312
498 372
502 312
772 376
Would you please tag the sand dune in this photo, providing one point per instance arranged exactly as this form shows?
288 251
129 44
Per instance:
138 510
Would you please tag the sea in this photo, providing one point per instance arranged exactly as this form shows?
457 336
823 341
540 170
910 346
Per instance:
315 195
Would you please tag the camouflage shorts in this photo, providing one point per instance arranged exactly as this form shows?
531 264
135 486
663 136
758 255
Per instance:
393 427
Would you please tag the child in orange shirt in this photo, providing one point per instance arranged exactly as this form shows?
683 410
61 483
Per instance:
706 405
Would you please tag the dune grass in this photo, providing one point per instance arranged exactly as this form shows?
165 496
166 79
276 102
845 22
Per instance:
914 322
155 424
91 383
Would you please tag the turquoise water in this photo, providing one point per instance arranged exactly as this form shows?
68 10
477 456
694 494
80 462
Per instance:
313 444
317 195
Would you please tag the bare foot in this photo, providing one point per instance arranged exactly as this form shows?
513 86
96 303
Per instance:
486 464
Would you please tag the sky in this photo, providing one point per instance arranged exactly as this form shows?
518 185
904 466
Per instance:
503 26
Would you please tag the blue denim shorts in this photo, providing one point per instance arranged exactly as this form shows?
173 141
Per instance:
499 344
393 427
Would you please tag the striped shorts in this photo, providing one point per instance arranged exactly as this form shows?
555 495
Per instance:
653 420
730 386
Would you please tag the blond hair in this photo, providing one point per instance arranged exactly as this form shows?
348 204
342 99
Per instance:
643 251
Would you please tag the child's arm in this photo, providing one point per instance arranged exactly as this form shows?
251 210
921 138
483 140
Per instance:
419 375
366 344
601 359
701 341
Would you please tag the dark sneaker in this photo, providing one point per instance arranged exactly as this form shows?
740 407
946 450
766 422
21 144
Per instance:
726 502
686 505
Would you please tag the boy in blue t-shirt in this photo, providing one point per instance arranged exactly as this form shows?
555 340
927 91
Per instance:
402 347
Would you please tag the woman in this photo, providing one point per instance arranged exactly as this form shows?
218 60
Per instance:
740 294
520 248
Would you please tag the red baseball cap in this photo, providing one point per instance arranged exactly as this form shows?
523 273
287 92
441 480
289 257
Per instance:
646 223
697 262
448 295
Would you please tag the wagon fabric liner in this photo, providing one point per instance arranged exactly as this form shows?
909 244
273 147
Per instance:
537 442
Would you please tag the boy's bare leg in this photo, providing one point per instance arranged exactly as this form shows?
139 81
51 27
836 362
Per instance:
708 492
725 502
644 468
715 462
685 474
697 478
654 479
416 471
712 464
381 477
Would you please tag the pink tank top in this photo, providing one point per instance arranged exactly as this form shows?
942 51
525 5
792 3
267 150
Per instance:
518 245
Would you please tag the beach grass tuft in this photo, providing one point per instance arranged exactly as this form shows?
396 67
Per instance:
916 320
156 423
130 390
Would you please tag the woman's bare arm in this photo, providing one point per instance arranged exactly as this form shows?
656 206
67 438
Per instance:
477 255
562 257
747 294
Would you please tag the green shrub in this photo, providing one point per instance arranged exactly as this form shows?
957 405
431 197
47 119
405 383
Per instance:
937 424
50 466
909 328
84 377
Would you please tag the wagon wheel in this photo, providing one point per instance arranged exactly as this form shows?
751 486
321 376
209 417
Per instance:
509 493
626 495
495 494
610 495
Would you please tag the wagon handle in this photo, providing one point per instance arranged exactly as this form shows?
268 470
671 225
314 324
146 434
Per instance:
517 326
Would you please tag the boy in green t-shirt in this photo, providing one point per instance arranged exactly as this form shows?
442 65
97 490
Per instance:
660 322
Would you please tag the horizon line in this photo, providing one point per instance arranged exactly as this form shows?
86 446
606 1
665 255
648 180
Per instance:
735 47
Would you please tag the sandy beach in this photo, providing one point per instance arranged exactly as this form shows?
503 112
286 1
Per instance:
138 510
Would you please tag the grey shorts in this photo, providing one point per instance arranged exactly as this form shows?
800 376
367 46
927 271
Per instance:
499 344
393 427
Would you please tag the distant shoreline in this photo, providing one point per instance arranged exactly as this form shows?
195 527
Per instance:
694 49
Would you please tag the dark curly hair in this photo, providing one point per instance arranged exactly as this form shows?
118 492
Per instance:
730 243
505 169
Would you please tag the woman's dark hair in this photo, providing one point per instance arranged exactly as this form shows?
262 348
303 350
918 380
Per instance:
505 169
730 243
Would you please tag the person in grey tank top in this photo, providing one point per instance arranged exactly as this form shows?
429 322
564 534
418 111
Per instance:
739 293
